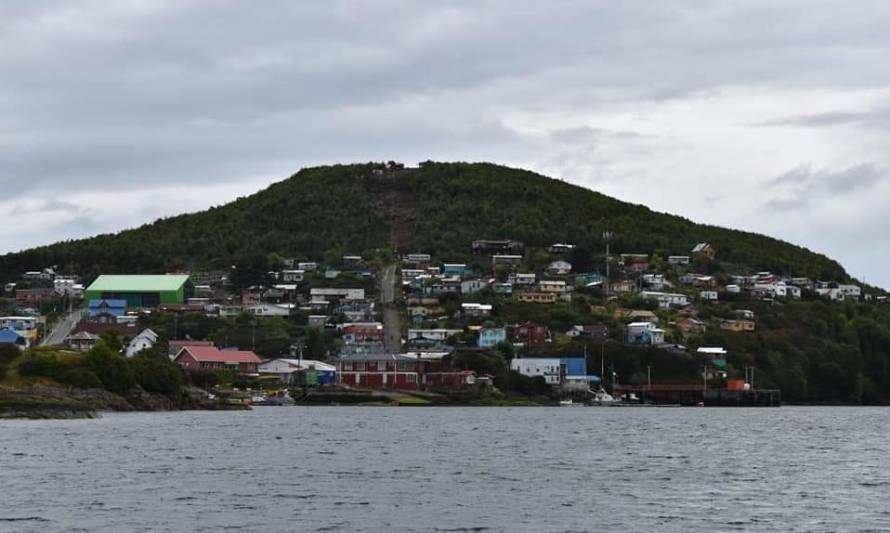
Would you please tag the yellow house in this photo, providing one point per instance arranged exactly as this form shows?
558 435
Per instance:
737 325
537 297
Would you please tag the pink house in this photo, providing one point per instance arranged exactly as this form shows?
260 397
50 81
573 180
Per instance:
212 358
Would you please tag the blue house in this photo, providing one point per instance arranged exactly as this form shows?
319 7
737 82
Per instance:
110 309
454 269
491 337
576 369
10 337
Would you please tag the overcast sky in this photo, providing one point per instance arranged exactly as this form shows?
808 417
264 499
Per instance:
761 115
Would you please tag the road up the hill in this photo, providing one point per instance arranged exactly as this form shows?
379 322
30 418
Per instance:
392 319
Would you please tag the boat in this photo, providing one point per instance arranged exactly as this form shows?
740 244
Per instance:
566 403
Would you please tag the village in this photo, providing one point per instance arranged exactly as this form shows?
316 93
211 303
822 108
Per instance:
428 326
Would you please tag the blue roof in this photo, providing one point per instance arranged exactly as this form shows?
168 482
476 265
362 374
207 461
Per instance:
7 336
575 366
113 307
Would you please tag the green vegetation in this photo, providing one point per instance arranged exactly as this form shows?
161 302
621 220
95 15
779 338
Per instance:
812 349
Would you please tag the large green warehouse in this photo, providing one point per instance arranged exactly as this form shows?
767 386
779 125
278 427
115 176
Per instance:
141 290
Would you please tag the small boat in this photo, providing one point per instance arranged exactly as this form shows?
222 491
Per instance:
566 403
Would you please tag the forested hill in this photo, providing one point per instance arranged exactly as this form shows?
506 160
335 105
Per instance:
440 208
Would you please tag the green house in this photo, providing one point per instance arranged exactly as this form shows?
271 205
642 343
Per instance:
141 290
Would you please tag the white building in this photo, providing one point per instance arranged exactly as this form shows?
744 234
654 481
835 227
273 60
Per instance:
710 296
475 309
678 259
667 299
557 286
293 276
345 294
471 286
548 368
143 341
559 268
521 278
851 291
438 334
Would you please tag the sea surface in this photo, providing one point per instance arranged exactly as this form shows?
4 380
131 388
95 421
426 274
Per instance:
451 469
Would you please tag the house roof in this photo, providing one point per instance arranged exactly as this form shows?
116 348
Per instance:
138 283
84 335
215 355
8 336
300 364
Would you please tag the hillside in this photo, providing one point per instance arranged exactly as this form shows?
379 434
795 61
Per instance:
439 208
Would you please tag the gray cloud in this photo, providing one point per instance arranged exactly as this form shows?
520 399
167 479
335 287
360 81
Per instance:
105 97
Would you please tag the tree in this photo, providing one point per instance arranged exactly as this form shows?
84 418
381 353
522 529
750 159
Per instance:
112 369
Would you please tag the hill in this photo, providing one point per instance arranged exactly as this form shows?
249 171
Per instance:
438 208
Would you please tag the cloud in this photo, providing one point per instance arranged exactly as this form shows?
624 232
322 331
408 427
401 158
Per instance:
122 108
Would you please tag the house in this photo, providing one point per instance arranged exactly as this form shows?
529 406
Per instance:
334 295
555 286
141 291
106 311
417 259
432 334
834 294
655 282
733 289
595 332
67 286
25 326
505 261
642 316
9 337
521 278
746 314
34 297
560 248
678 259
81 341
331 273
174 346
453 269
703 249
361 332
559 268
317 321
555 371
666 299
737 325
716 356
851 291
548 368
307 266
143 341
710 296
472 286
416 371
531 333
491 337
503 288
475 310
212 358
589 279
352 259
293 276
643 333
269 309
632 259
537 297
487 246
692 326
288 370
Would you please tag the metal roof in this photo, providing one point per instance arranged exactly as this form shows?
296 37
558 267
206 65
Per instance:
138 283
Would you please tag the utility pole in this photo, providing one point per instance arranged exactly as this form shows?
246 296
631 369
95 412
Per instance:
648 377
607 236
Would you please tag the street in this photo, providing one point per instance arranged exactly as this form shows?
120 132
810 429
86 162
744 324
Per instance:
392 327
62 328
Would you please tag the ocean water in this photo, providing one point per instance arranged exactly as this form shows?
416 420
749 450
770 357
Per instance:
451 469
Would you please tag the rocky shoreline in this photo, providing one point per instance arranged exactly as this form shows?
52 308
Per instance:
44 402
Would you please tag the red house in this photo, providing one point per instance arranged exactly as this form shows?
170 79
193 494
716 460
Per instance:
402 371
531 333
212 358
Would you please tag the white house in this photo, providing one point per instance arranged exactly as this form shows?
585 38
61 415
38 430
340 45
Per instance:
559 268
143 341
734 289
833 294
293 276
643 333
439 334
556 286
667 299
471 286
710 296
476 310
548 368
678 259
851 291
521 278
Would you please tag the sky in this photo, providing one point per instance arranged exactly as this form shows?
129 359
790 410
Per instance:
768 116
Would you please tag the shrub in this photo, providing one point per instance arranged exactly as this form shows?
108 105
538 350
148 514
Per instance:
111 368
